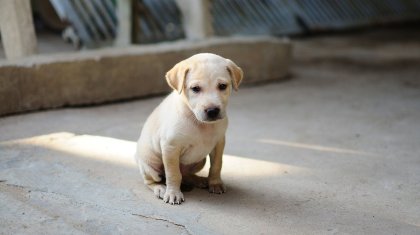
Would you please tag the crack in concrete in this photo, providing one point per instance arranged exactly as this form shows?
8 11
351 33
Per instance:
165 220
16 186
29 190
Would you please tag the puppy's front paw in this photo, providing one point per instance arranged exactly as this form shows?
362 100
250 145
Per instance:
173 197
218 188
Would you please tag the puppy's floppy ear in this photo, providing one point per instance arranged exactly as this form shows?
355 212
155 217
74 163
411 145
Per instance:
176 76
235 73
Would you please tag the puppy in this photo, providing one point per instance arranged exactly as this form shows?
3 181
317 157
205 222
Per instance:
188 125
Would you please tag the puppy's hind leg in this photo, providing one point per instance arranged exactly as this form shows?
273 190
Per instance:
158 189
152 177
153 180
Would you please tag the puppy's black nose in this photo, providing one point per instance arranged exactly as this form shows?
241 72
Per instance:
212 113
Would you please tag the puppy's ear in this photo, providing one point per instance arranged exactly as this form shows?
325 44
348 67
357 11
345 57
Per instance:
176 76
235 73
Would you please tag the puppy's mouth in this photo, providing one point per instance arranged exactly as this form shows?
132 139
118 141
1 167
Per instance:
213 119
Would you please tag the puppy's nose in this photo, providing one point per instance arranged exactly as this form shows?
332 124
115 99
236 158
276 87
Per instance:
212 113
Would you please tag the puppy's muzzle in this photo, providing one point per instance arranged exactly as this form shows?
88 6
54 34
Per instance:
212 113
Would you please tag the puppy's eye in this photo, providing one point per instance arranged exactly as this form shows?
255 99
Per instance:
222 87
196 89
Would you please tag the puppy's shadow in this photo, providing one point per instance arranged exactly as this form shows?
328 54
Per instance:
235 196
188 188
249 200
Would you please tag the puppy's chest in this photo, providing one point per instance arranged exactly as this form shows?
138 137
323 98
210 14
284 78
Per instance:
199 146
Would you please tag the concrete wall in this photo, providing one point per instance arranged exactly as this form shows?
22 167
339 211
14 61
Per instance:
92 77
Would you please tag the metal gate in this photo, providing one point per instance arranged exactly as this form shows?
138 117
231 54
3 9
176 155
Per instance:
95 21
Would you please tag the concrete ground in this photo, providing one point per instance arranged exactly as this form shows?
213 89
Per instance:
333 150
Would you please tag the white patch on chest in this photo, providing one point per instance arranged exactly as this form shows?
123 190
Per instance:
200 145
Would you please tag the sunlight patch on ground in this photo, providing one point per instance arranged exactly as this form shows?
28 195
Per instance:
106 149
236 165
314 147
121 152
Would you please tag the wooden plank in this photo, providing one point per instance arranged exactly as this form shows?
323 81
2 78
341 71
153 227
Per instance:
196 18
124 28
17 28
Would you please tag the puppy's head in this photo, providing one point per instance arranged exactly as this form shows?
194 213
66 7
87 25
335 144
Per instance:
205 82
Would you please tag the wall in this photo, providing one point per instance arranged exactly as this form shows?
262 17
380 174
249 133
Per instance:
93 77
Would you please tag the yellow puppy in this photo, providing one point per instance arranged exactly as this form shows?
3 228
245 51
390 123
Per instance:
187 126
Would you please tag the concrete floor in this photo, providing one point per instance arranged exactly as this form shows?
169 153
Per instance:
333 150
